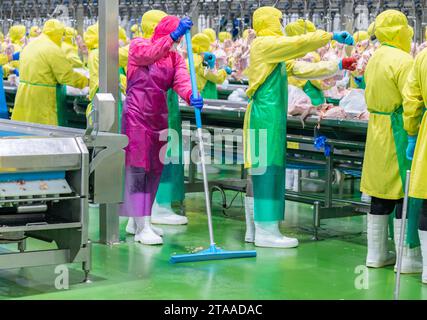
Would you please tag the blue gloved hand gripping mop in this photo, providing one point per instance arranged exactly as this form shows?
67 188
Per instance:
213 253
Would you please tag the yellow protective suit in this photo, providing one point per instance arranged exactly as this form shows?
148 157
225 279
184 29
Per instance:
92 42
201 43
136 33
16 35
149 21
272 47
414 104
43 67
123 36
371 29
386 74
70 48
360 36
34 32
299 27
269 53
222 36
211 34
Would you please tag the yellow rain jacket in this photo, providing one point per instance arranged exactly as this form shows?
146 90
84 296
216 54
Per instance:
34 32
92 42
299 27
386 74
70 49
136 33
16 34
201 44
222 36
269 54
272 47
360 36
43 67
414 104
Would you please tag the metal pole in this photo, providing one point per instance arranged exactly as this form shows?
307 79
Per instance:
402 236
79 19
108 13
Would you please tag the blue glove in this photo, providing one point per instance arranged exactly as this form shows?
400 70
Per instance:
16 55
210 59
228 70
360 82
16 72
343 37
412 141
196 102
185 24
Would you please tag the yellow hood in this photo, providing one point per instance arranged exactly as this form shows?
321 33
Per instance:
266 22
91 37
201 43
149 22
360 36
16 33
122 35
211 34
35 31
391 28
224 35
54 29
299 27
70 34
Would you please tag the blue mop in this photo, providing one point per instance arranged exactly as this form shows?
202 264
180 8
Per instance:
213 253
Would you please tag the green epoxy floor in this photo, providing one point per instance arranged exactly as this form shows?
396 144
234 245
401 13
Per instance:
322 269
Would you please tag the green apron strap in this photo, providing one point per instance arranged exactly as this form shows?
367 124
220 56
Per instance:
414 205
61 99
210 91
316 95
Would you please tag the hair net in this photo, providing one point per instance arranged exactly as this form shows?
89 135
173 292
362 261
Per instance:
149 21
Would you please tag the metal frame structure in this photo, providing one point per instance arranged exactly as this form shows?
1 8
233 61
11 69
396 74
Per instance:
99 156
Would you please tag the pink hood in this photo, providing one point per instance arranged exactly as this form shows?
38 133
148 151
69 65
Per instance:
167 25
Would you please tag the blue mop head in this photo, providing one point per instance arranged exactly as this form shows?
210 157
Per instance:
213 253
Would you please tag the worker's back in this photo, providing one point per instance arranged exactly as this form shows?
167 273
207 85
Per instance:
385 77
35 61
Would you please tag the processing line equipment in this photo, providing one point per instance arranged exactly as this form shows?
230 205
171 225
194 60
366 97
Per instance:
345 144
48 175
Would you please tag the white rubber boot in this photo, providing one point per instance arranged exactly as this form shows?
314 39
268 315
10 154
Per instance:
250 225
131 228
411 258
268 235
378 255
423 240
163 214
295 186
145 233
289 179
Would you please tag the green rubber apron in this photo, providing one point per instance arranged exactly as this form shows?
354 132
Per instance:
210 91
171 188
414 205
61 99
316 95
120 102
265 145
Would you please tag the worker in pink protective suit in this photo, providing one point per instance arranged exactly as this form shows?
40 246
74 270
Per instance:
154 67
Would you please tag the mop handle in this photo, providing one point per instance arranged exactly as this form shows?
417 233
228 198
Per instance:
402 236
193 76
200 135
